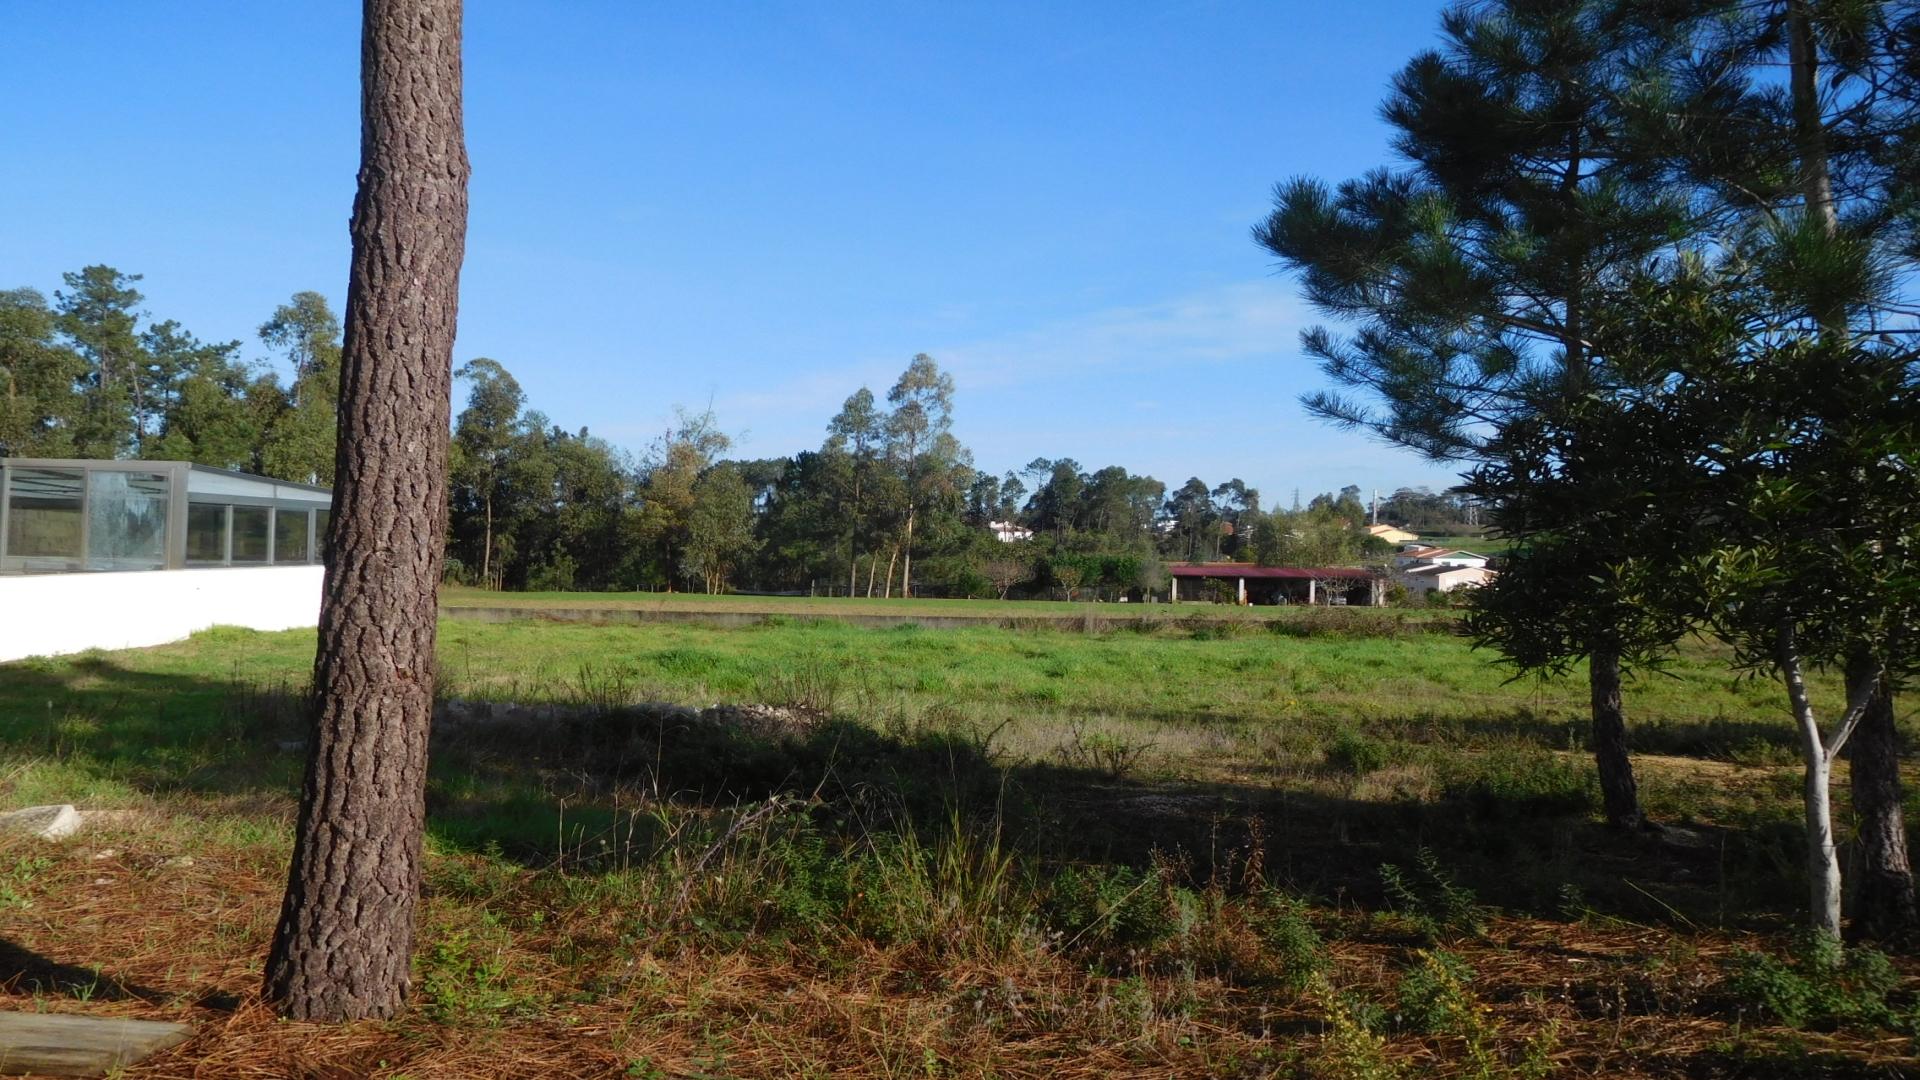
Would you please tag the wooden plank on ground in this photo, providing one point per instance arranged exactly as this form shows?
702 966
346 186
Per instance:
62 1044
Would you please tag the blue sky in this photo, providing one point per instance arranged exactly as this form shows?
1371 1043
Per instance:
764 206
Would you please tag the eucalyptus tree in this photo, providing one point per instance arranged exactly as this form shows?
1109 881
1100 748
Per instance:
484 441
921 444
1469 272
855 438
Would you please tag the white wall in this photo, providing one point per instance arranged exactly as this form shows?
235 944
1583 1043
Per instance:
51 614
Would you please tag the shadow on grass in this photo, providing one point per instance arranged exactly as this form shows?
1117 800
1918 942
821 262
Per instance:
531 791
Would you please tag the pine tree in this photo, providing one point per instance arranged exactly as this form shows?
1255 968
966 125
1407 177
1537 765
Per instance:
1470 271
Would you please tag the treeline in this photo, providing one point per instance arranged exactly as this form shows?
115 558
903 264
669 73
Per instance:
1646 271
890 503
91 375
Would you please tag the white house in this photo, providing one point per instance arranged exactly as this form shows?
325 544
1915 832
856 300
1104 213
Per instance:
1008 532
1412 555
1438 577
122 554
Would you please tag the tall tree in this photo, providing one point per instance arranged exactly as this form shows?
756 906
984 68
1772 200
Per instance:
1810 173
38 409
719 526
854 439
920 440
299 444
1471 273
484 440
98 314
342 948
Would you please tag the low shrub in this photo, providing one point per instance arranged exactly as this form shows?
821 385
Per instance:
1817 984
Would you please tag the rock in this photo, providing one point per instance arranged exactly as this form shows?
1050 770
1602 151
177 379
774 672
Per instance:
105 853
111 819
42 822
177 862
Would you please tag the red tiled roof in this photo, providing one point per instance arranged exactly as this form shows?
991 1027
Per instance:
1247 570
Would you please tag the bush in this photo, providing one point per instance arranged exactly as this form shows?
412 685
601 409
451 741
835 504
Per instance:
1434 998
1815 985
1281 923
1112 906
1355 754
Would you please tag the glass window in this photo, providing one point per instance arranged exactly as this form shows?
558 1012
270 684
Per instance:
126 520
250 524
206 533
290 536
43 517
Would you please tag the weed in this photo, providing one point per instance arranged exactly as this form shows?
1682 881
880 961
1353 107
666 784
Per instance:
1113 756
1116 906
1430 900
1352 1050
15 881
1281 922
1433 997
464 977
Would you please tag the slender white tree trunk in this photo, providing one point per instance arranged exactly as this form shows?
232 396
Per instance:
906 570
1823 861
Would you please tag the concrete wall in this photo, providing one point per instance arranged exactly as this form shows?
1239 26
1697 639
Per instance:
51 614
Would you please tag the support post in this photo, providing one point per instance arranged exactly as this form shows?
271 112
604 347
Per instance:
1242 593
1173 589
1310 591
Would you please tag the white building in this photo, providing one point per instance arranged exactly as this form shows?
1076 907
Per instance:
1412 555
1008 532
121 554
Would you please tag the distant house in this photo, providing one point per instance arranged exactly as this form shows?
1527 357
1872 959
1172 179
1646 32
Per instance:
1422 569
1442 578
1411 555
1008 532
1391 534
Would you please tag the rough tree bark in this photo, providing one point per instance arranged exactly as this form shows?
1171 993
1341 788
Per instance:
344 942
1620 794
1883 898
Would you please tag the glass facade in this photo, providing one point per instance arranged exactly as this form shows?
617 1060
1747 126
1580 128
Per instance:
290 535
45 518
66 516
126 520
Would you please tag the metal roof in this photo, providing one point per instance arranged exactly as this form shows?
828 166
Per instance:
1247 570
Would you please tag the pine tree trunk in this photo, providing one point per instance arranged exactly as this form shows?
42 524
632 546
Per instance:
1883 901
343 946
1619 793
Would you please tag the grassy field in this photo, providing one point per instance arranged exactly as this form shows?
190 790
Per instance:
1336 844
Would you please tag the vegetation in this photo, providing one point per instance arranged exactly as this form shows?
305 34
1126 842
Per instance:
914 847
